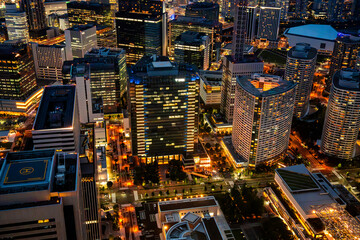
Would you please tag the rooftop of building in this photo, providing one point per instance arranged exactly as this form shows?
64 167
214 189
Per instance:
187 203
349 37
81 27
308 190
347 79
56 108
265 85
193 21
247 58
27 171
190 37
12 50
88 5
318 31
302 51
104 52
152 65
202 6
38 170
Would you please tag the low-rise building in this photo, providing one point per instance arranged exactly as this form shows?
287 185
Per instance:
192 218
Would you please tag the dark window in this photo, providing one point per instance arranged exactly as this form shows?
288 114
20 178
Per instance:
322 45
70 222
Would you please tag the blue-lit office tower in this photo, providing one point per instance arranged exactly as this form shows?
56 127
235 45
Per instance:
163 102
141 28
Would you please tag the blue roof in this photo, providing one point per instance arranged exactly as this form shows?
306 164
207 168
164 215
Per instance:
319 31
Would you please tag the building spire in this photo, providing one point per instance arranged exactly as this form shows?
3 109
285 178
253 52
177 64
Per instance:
239 33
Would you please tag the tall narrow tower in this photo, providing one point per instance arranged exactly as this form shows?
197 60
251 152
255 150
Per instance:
238 63
239 34
300 68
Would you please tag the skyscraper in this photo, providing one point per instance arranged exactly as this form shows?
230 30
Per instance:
35 12
300 68
342 120
141 28
41 196
251 23
297 9
163 102
16 23
48 60
346 50
335 10
237 64
80 39
269 22
17 72
284 5
104 70
193 48
182 24
57 120
82 12
264 106
206 10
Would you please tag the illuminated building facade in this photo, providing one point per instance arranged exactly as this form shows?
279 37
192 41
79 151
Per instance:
48 60
35 12
41 196
182 24
251 23
141 28
269 22
210 92
90 198
80 39
264 106
16 23
206 10
342 120
300 68
193 48
163 102
105 69
57 120
17 72
106 37
82 12
346 50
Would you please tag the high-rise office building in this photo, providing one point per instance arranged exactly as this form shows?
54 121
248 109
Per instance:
80 39
48 60
335 10
17 72
342 119
264 106
346 50
206 10
82 12
284 5
36 18
141 28
41 196
237 64
193 48
297 9
105 71
251 23
163 102
90 198
16 23
182 24
106 37
269 23
57 120
300 68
